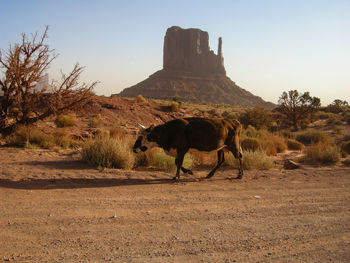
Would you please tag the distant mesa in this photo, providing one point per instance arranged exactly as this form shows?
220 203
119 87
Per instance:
193 72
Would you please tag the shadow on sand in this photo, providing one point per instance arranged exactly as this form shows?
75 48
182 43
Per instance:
71 183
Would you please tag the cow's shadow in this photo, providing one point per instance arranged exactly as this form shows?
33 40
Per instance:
72 183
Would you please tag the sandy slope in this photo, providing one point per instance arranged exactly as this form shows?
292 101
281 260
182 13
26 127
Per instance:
54 208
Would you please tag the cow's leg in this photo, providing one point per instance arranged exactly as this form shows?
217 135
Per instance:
237 153
178 161
221 159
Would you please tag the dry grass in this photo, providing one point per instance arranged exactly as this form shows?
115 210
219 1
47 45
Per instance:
32 137
108 152
174 106
294 145
158 159
65 121
95 121
253 140
322 153
312 136
252 160
140 99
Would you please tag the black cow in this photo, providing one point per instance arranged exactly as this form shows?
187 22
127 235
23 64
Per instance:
203 134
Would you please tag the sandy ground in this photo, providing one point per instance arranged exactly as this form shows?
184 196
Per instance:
54 208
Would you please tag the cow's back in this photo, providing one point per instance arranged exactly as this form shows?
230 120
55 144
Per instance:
206 134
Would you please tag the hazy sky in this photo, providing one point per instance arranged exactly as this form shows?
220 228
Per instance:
268 46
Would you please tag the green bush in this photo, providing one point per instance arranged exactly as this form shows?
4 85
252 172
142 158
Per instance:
65 121
252 160
294 145
108 152
322 152
258 117
312 136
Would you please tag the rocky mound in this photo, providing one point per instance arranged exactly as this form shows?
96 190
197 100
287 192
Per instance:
193 72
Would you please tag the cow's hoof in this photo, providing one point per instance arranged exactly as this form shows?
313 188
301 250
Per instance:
175 178
239 176
209 176
190 172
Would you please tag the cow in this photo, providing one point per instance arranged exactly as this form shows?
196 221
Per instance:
203 134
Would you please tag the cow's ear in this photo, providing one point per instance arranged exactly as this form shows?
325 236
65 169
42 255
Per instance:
150 128
141 127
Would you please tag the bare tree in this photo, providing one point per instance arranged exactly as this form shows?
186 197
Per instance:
22 67
296 108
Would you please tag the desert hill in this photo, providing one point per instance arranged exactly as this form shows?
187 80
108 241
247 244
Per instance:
193 72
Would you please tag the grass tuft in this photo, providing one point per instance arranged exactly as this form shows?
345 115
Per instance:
108 152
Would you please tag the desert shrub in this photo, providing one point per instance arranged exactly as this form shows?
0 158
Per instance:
323 115
229 115
252 160
345 147
174 106
274 144
250 144
30 137
346 117
334 120
312 136
117 132
158 159
322 152
108 152
95 121
294 145
140 99
65 121
258 117
253 139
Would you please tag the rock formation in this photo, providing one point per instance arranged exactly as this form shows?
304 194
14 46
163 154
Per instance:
192 72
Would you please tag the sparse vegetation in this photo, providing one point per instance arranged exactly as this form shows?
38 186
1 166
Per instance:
174 106
311 137
140 99
95 121
32 137
296 109
158 159
65 121
294 145
258 117
323 153
252 160
108 152
24 64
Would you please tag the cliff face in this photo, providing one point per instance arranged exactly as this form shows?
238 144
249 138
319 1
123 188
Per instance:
192 72
187 50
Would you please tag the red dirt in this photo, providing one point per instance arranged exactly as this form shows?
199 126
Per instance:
55 208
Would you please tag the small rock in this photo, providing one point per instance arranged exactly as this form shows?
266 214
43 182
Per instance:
257 196
290 165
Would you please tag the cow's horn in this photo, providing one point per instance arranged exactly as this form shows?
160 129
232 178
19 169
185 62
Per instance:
141 126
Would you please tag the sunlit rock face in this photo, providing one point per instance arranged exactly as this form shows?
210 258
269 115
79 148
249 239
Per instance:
192 72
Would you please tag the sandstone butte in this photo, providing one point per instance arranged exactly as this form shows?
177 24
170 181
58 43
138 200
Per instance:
193 72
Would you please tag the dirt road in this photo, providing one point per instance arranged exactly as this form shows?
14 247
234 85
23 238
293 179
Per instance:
55 209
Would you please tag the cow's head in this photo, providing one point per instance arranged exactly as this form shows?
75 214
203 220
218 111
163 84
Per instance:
144 139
